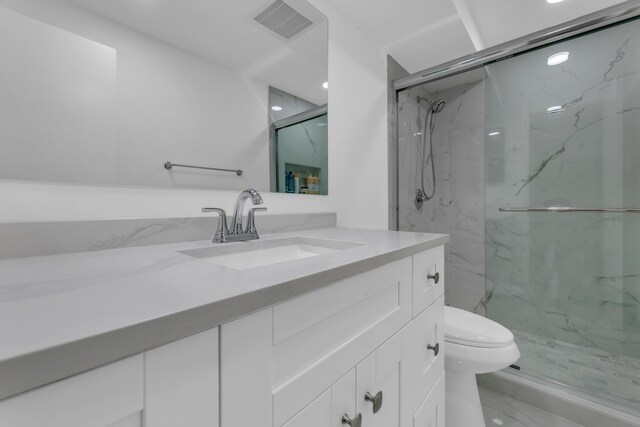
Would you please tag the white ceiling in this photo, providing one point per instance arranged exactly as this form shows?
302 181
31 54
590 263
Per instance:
424 33
499 21
225 33
418 33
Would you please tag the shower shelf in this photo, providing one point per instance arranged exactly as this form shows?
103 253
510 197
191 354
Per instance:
562 209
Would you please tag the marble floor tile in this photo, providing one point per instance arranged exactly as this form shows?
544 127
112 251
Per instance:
591 370
503 411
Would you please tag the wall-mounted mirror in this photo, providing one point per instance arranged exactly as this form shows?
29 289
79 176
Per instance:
133 92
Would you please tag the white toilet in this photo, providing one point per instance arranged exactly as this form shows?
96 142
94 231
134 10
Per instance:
473 345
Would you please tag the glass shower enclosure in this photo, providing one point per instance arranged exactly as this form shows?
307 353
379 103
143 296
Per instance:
562 228
537 166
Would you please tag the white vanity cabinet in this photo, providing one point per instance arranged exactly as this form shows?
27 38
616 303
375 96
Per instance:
173 385
365 351
295 363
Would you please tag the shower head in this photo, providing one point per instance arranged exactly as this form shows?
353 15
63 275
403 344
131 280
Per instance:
436 106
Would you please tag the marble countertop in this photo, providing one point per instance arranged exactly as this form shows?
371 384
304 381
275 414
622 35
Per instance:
64 314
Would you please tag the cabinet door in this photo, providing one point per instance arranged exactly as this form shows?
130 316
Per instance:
422 355
110 396
378 384
330 407
428 278
431 412
181 382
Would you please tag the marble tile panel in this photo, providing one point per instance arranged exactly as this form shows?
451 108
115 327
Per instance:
458 205
48 238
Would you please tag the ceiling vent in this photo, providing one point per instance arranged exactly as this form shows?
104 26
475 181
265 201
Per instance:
283 20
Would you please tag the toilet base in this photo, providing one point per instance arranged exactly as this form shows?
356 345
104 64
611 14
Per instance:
462 404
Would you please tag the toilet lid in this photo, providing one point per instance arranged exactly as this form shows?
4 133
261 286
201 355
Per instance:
463 327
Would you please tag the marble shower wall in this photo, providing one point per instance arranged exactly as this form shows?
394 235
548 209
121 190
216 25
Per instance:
458 205
571 277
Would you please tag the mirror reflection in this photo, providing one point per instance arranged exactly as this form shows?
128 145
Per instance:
298 143
110 92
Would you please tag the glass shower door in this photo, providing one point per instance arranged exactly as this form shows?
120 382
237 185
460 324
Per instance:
562 129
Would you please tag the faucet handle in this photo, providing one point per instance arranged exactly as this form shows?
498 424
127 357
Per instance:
251 223
222 230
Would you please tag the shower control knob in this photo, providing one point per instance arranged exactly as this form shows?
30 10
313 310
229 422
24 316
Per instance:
434 348
434 277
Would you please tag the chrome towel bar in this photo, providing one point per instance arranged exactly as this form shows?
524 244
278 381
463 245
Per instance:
169 166
563 209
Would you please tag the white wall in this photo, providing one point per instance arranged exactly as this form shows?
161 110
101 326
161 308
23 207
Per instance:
358 189
357 125
167 104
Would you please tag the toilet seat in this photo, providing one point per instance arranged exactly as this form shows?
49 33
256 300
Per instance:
465 328
475 344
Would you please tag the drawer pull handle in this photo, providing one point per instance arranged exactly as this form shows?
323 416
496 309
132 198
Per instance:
434 348
376 400
355 422
434 277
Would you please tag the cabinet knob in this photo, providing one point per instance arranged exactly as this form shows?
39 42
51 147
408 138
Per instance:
376 400
355 422
434 348
434 277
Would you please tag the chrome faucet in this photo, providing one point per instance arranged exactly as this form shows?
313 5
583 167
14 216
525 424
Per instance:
238 233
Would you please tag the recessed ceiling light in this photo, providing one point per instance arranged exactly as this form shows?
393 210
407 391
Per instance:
558 58
276 108
494 133
553 1
325 85
554 108
497 421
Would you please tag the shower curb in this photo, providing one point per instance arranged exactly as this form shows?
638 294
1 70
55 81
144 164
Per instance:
557 400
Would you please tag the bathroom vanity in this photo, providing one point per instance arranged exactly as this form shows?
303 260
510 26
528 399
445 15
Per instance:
170 335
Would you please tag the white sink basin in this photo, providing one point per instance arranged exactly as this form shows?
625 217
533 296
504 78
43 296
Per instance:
259 253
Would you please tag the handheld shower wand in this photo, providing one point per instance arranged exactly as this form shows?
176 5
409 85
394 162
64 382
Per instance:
435 107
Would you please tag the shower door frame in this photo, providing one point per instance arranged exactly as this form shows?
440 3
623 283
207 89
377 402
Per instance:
624 11
610 16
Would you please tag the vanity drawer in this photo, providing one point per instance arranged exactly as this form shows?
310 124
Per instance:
428 278
423 353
